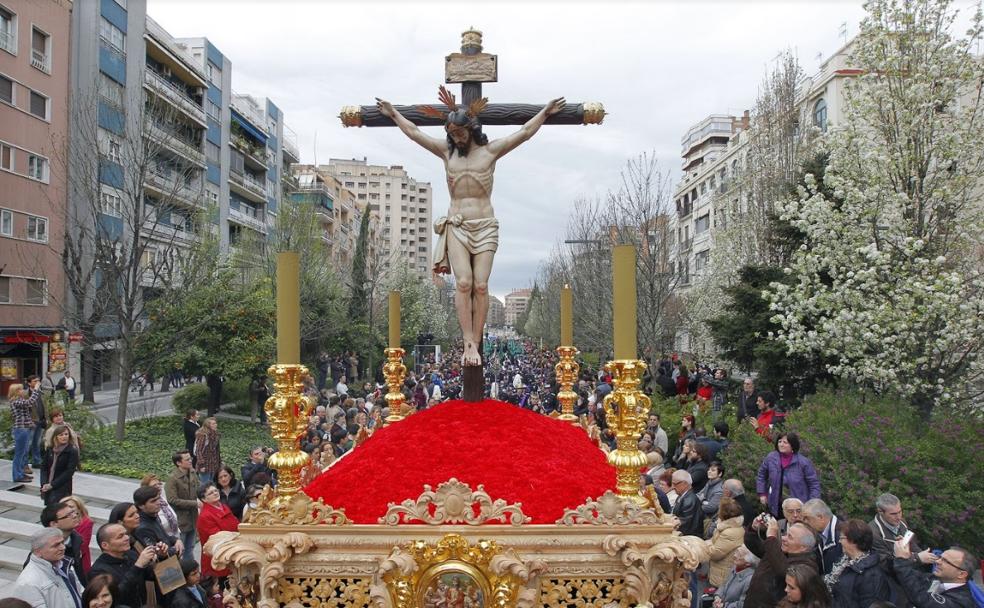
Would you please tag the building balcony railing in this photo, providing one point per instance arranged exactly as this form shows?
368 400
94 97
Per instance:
251 220
41 61
686 244
327 238
164 136
171 92
249 185
174 187
8 41
290 145
259 156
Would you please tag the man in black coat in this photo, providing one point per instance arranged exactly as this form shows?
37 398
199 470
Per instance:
150 532
948 590
734 489
823 522
128 568
687 506
796 547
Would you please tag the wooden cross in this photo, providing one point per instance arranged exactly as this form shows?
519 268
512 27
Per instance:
471 67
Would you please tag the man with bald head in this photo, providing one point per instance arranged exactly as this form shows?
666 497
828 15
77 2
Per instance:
129 569
797 547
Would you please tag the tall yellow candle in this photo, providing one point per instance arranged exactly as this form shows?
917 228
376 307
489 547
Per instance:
288 307
624 301
566 316
394 319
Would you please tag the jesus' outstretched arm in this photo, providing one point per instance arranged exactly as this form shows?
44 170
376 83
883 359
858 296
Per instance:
501 147
437 146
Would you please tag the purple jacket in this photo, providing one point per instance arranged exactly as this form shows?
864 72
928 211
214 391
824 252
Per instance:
800 477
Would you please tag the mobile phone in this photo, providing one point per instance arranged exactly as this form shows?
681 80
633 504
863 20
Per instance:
907 537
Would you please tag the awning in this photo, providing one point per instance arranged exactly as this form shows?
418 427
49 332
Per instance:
248 127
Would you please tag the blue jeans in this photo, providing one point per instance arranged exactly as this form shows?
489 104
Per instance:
22 445
37 438
188 539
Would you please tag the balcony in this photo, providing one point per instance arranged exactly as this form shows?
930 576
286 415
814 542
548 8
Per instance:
686 244
175 189
172 93
291 151
255 156
162 135
246 185
8 42
251 219
41 61
327 238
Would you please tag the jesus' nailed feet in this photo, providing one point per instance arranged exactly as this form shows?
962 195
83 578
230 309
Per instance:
471 356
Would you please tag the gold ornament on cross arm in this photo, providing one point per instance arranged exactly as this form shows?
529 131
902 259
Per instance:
626 411
567 370
288 411
395 371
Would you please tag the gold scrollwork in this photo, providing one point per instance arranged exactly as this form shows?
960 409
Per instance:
300 510
454 502
584 592
566 371
320 592
351 116
230 549
657 573
626 410
609 509
594 113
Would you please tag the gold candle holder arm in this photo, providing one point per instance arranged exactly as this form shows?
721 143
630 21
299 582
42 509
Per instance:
288 411
626 411
395 372
567 371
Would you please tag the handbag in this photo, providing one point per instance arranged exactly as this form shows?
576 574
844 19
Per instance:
169 575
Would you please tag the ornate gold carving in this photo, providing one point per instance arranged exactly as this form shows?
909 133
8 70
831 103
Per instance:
610 510
300 510
594 113
228 549
454 503
584 592
657 573
395 371
404 576
319 592
567 370
288 411
626 410
351 116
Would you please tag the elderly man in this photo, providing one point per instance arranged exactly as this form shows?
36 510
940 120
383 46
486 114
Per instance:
746 400
888 527
48 580
796 547
792 512
128 568
946 588
734 489
687 506
822 520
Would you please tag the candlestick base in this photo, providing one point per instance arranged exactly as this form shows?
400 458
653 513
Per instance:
567 370
627 410
395 372
288 410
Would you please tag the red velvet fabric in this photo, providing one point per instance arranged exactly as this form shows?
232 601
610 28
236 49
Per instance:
519 456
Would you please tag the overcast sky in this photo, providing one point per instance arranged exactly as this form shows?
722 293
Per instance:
658 67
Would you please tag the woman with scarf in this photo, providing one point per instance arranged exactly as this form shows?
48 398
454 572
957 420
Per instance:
60 462
207 450
856 580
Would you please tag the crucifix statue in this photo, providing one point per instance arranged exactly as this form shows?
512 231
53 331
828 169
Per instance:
468 235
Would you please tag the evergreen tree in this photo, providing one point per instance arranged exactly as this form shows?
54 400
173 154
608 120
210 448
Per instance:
359 301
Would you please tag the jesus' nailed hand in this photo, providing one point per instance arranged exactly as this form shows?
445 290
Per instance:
469 234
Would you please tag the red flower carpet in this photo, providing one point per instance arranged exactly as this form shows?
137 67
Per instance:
518 455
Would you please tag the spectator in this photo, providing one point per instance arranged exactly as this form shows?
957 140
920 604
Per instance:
766 402
191 428
697 465
127 515
805 589
719 394
61 460
727 540
341 388
101 592
253 493
792 512
58 419
687 507
213 592
48 580
191 595
732 593
232 495
888 527
710 496
39 417
857 580
821 520
215 517
127 567
150 532
682 383
952 573
665 484
796 548
182 488
660 439
747 400
208 458
167 516
84 530
66 519
785 472
22 402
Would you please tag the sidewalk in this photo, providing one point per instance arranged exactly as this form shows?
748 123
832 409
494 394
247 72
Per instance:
152 403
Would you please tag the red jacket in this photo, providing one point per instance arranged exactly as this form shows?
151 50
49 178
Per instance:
764 422
212 520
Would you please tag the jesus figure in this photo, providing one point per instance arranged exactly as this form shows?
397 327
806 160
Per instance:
469 235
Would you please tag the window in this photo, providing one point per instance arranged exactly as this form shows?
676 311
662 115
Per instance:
212 110
8 31
35 291
4 290
39 105
110 90
122 3
214 74
6 222
213 197
37 167
40 50
37 229
113 36
6 90
212 152
110 146
6 157
820 114
703 223
112 202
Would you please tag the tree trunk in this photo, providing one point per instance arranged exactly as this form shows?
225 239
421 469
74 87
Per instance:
88 361
125 371
214 384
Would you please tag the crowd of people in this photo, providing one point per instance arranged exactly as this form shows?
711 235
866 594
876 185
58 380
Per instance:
783 547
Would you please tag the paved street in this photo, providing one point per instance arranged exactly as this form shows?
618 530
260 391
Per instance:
150 404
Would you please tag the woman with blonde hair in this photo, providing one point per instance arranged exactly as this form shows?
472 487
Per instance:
209 461
58 465
729 534
84 529
22 402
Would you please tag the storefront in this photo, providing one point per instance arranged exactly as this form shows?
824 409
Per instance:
39 351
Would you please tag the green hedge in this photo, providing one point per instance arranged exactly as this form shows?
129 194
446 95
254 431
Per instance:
150 442
191 397
79 416
865 447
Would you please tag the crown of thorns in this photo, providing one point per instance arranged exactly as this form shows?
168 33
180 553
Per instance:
447 98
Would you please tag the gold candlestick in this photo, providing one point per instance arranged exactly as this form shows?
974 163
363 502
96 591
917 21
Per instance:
288 411
627 410
566 371
395 371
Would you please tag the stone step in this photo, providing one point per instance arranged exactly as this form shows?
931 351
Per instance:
21 531
104 489
13 558
31 503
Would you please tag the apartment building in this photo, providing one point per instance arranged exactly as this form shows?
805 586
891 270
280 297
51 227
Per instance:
404 206
34 80
516 304
497 312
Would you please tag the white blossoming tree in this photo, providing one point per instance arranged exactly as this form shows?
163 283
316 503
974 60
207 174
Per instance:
889 282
